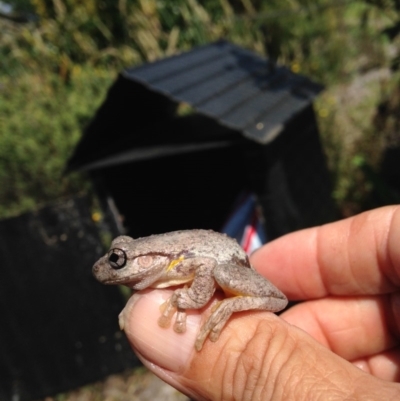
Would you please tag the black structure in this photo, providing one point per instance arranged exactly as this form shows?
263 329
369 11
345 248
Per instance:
59 326
250 127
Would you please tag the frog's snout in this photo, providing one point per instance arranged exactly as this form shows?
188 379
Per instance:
96 270
99 273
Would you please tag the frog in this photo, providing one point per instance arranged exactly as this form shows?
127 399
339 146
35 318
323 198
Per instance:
199 262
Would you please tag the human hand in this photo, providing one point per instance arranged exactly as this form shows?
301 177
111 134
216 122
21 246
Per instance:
342 342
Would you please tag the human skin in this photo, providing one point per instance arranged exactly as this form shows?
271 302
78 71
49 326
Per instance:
340 343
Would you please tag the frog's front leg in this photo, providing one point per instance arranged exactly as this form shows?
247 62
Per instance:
247 290
195 297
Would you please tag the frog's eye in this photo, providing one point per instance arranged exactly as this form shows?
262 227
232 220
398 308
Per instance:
145 260
117 258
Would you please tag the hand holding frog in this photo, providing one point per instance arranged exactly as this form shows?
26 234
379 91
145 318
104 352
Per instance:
348 275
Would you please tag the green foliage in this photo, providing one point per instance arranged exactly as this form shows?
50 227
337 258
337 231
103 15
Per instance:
54 72
41 119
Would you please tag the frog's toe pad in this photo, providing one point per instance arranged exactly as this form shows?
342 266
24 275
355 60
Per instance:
214 335
164 321
198 345
163 306
180 327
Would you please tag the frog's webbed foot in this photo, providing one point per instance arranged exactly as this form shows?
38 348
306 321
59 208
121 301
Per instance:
222 311
180 321
168 309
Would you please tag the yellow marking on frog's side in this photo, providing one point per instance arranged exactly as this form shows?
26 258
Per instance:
174 262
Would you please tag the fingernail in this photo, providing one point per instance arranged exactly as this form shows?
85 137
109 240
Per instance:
160 346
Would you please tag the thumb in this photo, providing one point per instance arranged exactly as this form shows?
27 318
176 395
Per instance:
257 357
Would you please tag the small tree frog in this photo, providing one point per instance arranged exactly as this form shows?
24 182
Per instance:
203 261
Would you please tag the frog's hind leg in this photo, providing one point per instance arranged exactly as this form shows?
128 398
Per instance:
223 311
247 290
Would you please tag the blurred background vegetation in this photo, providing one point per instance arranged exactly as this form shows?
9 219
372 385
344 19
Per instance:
59 57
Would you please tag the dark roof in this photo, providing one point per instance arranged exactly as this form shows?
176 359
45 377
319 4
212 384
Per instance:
234 86
236 94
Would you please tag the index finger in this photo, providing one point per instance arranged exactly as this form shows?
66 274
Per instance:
358 255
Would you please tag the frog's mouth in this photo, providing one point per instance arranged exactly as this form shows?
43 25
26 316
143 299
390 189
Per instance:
139 282
122 281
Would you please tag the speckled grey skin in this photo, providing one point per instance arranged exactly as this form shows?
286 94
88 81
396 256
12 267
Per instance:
206 259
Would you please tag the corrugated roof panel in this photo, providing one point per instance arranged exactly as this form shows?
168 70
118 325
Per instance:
194 78
162 69
258 108
243 103
236 87
216 67
228 100
265 105
217 88
267 126
215 85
